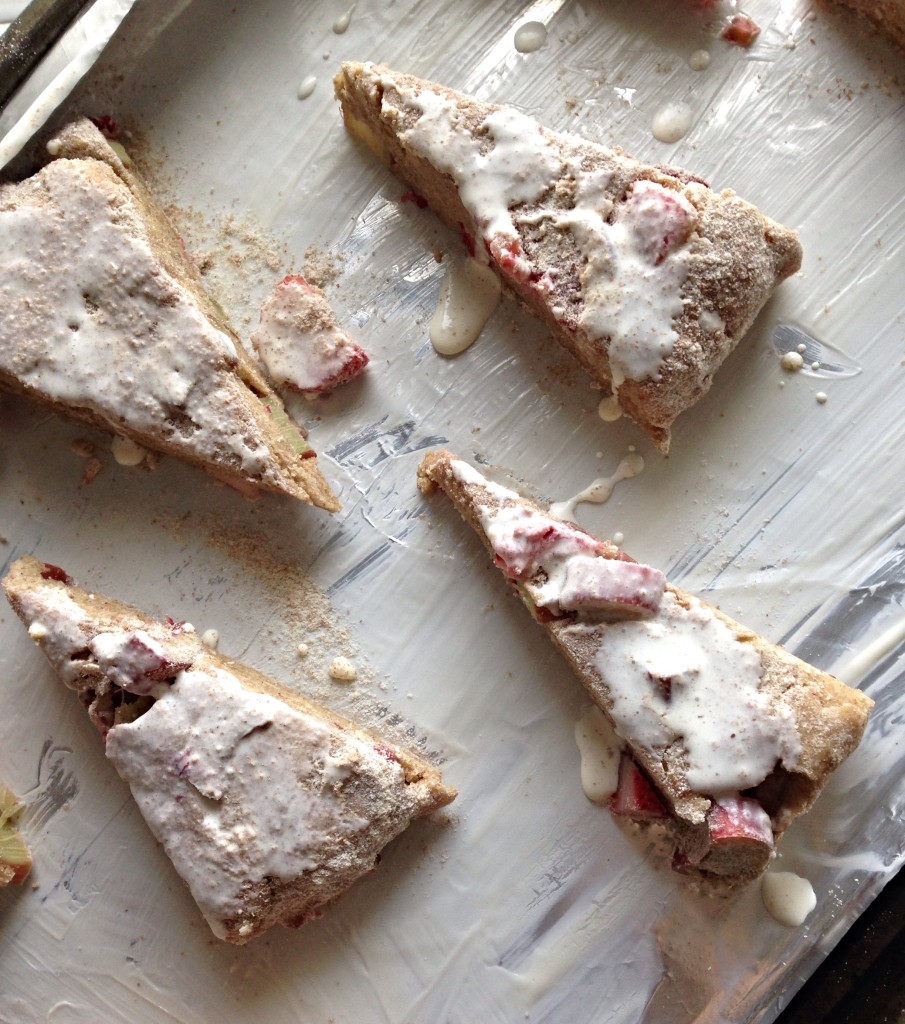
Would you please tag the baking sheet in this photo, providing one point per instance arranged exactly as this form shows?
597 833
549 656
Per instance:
525 901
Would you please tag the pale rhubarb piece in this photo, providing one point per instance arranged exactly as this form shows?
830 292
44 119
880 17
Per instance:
269 805
645 274
15 860
104 318
727 737
300 343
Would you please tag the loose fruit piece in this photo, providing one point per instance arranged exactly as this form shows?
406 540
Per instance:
741 31
15 860
635 797
300 342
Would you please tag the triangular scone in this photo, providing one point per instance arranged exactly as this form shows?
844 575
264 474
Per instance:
647 276
727 737
103 317
268 805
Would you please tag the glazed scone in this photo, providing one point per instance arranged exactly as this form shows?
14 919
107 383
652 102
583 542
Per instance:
647 276
268 805
727 737
103 317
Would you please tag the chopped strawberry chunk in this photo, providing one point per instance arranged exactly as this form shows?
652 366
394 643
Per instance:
612 585
520 553
386 752
507 254
106 125
54 572
294 279
737 839
413 197
134 661
635 796
662 220
739 819
741 31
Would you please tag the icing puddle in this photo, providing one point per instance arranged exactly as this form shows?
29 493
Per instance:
468 296
788 897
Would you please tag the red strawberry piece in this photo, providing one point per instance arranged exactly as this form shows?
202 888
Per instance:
635 796
295 279
413 197
738 841
521 555
468 241
662 219
356 359
741 31
106 125
54 572
627 589
300 342
507 254
739 819
386 752
134 664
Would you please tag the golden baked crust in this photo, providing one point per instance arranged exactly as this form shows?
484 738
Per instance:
35 590
829 718
84 160
887 15
736 255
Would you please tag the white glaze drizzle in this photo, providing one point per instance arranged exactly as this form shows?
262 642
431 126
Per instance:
671 121
601 489
517 168
341 25
608 409
127 452
598 747
530 36
307 86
